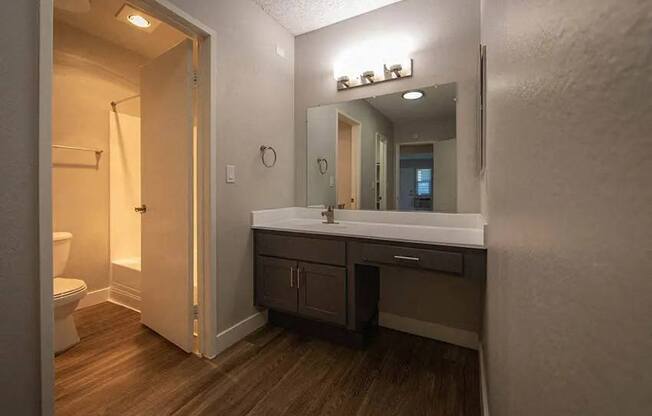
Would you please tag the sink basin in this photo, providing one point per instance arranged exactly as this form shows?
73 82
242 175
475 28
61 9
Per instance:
315 224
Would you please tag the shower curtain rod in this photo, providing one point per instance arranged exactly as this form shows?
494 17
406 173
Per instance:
97 152
115 103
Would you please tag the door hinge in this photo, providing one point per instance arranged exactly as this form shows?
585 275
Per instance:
195 79
195 311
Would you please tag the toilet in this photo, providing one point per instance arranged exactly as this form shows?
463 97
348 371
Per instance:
67 294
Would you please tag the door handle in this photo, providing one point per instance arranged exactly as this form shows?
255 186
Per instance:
298 277
407 258
291 276
141 209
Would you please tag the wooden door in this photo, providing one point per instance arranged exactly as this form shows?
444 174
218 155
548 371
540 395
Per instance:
276 283
166 191
322 292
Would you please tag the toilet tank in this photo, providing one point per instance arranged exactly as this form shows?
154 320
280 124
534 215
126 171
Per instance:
61 242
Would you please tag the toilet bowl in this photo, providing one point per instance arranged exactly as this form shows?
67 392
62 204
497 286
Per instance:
67 292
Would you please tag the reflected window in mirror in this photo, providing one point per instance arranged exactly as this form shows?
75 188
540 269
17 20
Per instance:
424 182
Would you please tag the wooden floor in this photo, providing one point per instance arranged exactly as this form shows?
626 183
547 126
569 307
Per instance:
122 368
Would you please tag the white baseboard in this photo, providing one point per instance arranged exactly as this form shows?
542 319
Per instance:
125 296
240 330
461 337
94 297
483 382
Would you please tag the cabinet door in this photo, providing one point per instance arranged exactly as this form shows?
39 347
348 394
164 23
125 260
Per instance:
275 283
322 292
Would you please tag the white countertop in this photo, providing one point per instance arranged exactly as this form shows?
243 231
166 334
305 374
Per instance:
415 227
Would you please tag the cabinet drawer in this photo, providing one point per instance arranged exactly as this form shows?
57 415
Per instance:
301 248
444 261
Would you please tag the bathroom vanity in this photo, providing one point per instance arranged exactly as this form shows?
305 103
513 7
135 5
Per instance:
325 278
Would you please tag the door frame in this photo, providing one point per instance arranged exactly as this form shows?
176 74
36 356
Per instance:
206 39
379 138
356 152
397 170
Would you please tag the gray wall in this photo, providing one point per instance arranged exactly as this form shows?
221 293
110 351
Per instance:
425 130
569 296
446 35
445 178
19 284
255 101
322 122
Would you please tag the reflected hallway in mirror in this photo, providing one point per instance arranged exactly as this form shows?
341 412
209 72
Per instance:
387 152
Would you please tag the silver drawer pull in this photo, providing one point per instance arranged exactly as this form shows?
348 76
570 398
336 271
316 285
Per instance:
406 258
291 276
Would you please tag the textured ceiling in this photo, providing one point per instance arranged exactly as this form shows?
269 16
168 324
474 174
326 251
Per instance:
301 16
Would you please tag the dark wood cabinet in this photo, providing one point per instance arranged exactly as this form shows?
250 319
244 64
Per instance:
330 285
322 292
315 291
275 286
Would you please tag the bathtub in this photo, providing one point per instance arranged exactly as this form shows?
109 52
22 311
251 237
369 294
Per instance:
125 282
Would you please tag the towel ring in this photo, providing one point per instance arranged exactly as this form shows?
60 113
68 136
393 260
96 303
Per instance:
263 151
323 165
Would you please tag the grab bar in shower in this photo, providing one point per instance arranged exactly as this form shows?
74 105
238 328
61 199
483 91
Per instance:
83 149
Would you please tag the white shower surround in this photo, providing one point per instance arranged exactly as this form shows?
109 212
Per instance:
125 227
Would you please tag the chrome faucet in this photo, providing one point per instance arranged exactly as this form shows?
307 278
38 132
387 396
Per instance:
329 214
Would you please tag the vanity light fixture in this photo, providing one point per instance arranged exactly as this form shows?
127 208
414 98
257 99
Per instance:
396 70
368 76
413 95
360 75
138 21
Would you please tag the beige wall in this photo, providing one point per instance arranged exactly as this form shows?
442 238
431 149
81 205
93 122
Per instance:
83 88
255 101
446 35
19 284
569 296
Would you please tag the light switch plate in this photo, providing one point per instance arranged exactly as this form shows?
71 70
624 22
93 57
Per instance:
280 51
230 173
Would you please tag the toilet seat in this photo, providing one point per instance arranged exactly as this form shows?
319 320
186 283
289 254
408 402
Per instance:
68 290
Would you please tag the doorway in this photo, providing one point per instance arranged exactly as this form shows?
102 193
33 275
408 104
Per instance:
416 167
167 255
348 166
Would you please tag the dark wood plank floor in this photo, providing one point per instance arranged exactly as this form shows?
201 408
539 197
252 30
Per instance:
122 368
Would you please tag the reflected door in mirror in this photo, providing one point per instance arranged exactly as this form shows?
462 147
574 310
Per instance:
348 162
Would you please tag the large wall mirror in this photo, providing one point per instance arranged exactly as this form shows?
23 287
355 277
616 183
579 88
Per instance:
388 152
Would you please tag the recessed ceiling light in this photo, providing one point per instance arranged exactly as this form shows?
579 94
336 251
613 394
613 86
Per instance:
413 95
138 20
